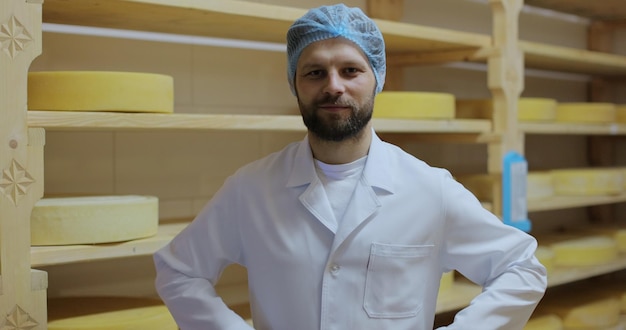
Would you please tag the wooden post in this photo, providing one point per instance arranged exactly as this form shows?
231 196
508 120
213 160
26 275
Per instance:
22 291
506 82
600 149
389 10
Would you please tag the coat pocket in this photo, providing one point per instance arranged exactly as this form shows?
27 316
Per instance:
395 274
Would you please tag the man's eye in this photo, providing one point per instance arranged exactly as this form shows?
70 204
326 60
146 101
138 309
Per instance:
351 71
314 74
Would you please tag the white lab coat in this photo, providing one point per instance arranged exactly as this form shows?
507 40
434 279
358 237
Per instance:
405 225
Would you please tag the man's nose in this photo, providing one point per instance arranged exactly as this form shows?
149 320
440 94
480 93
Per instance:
335 84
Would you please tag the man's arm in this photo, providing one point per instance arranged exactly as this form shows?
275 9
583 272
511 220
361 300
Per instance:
498 257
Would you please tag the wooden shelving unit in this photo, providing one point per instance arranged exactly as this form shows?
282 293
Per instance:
21 149
237 20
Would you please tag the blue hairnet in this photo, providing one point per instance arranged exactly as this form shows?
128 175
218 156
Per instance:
328 22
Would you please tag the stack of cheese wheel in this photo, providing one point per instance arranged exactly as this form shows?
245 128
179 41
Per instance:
585 112
91 220
100 91
617 233
583 307
578 250
544 322
414 105
108 313
539 185
587 181
528 109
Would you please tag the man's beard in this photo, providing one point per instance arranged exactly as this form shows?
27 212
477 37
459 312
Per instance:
333 127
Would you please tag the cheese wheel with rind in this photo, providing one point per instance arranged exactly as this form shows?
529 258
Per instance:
414 105
620 113
544 322
585 112
528 109
100 91
92 220
108 313
596 314
584 251
539 185
587 181
591 304
446 282
618 234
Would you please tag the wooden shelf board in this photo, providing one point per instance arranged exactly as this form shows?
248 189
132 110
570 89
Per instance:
557 58
235 19
65 120
563 202
563 275
599 10
432 125
70 120
572 128
54 255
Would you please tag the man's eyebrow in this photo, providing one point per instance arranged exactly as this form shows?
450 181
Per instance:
311 65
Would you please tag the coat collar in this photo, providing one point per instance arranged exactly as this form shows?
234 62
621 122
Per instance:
377 171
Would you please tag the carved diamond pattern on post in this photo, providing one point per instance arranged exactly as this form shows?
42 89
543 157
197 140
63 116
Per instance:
18 319
14 37
15 181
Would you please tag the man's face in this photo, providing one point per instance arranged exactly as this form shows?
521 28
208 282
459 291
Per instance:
335 89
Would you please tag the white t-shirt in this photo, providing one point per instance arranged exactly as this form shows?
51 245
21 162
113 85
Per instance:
339 182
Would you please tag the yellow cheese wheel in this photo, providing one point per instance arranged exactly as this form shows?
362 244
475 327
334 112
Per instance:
620 113
545 255
595 314
587 181
90 220
585 305
584 251
539 185
618 234
446 282
585 112
545 322
108 313
100 91
417 105
528 109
